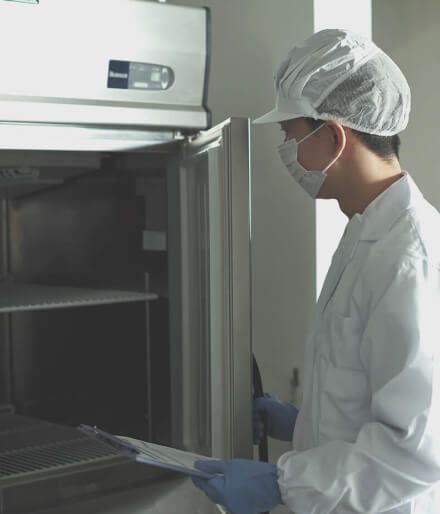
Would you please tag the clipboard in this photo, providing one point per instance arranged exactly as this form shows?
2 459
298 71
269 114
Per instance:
150 453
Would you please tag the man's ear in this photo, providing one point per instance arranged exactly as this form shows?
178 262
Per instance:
339 136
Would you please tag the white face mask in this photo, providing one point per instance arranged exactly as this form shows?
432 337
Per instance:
310 181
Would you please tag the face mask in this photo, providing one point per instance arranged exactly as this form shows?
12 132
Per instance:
310 181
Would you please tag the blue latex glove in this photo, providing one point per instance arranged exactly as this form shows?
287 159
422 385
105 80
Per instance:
245 487
280 418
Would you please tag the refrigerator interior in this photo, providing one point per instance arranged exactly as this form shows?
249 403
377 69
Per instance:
84 320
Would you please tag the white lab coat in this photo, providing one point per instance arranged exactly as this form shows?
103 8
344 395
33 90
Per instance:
367 439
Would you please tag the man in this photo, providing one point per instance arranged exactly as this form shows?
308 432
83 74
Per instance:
367 437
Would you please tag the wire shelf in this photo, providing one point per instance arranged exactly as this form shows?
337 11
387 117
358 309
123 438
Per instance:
29 446
16 297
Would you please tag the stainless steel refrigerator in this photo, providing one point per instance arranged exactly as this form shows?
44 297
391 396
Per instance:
124 255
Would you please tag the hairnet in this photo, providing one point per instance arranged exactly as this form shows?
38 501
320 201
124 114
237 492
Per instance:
338 75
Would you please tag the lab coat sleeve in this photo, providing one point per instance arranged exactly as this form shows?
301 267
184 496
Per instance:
396 455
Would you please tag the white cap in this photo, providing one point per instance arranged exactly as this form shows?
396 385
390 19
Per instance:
338 75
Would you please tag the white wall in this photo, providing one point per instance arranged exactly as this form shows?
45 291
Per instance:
330 221
249 39
409 32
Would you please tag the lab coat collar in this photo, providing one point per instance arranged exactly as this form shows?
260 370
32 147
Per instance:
371 225
343 255
386 208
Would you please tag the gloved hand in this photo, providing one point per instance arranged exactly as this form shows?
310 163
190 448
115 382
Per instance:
245 487
280 418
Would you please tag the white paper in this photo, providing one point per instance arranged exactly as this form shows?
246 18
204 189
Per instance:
150 453
166 457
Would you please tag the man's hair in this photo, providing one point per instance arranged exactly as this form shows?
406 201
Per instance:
384 147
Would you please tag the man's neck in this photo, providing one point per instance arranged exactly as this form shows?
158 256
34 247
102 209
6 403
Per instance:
366 184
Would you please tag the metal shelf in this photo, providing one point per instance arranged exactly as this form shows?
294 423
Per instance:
29 447
16 296
44 465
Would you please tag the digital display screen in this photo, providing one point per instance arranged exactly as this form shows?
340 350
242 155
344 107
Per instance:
137 75
155 76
